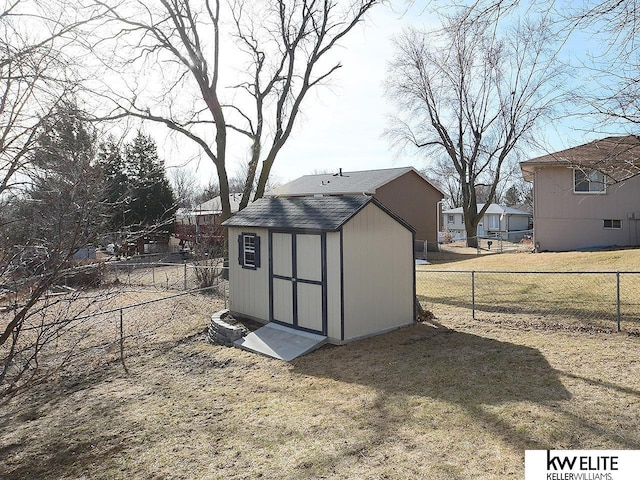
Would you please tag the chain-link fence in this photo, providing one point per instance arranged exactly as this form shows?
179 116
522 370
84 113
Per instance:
135 308
515 241
577 300
167 276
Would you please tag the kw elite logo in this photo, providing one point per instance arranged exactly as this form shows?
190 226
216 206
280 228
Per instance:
581 467
582 464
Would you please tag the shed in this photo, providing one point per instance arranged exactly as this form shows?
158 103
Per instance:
337 266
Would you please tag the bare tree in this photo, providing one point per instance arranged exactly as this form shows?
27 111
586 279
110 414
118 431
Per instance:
286 53
613 66
185 187
35 75
45 214
58 211
282 45
473 92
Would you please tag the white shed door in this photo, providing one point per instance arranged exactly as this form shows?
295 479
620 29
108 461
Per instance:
297 287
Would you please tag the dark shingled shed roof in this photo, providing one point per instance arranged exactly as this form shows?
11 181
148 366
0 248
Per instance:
305 213
312 213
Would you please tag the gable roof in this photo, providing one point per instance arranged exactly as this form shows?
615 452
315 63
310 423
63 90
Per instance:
211 207
616 157
307 213
343 183
494 208
215 204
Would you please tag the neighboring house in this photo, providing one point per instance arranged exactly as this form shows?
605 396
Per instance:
202 224
403 190
337 266
586 196
497 220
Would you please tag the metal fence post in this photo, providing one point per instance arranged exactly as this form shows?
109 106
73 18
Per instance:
618 298
185 274
122 343
473 294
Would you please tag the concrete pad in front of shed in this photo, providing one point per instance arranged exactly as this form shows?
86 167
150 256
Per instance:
278 341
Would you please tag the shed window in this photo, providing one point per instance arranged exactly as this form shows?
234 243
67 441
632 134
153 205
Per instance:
588 181
249 250
450 218
613 224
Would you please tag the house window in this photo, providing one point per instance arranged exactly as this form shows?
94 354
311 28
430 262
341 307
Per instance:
450 218
588 181
612 224
249 250
494 222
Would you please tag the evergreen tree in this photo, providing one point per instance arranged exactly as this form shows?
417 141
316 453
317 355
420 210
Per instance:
152 199
512 197
62 205
116 182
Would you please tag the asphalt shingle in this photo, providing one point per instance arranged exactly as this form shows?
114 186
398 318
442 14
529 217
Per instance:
312 213
345 183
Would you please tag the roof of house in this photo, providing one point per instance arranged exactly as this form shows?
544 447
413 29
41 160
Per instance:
308 213
494 208
617 157
213 206
343 183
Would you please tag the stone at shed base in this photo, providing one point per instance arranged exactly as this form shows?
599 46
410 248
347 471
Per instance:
222 331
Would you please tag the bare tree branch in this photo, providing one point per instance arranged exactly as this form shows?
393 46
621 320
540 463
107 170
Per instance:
474 95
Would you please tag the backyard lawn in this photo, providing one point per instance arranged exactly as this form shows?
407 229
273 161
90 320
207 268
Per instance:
452 398
578 290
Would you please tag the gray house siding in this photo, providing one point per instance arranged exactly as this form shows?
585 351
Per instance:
566 220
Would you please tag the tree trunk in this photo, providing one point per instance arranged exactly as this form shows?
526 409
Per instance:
471 228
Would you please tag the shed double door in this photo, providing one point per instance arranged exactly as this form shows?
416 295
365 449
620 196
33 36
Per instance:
297 265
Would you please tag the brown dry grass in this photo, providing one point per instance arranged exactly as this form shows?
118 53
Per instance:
462 258
455 399
576 296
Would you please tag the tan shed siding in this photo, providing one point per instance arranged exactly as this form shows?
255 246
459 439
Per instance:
334 286
282 301
282 254
413 199
308 259
249 289
565 220
378 273
309 306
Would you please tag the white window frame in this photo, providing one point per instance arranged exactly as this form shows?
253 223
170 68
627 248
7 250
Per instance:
590 180
249 250
451 218
494 222
612 224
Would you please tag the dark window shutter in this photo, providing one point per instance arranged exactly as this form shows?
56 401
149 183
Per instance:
257 256
240 250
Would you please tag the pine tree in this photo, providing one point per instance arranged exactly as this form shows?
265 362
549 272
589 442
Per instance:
512 197
62 206
116 182
152 199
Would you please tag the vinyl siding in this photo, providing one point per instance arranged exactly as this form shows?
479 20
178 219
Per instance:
334 286
249 289
564 220
414 200
378 273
